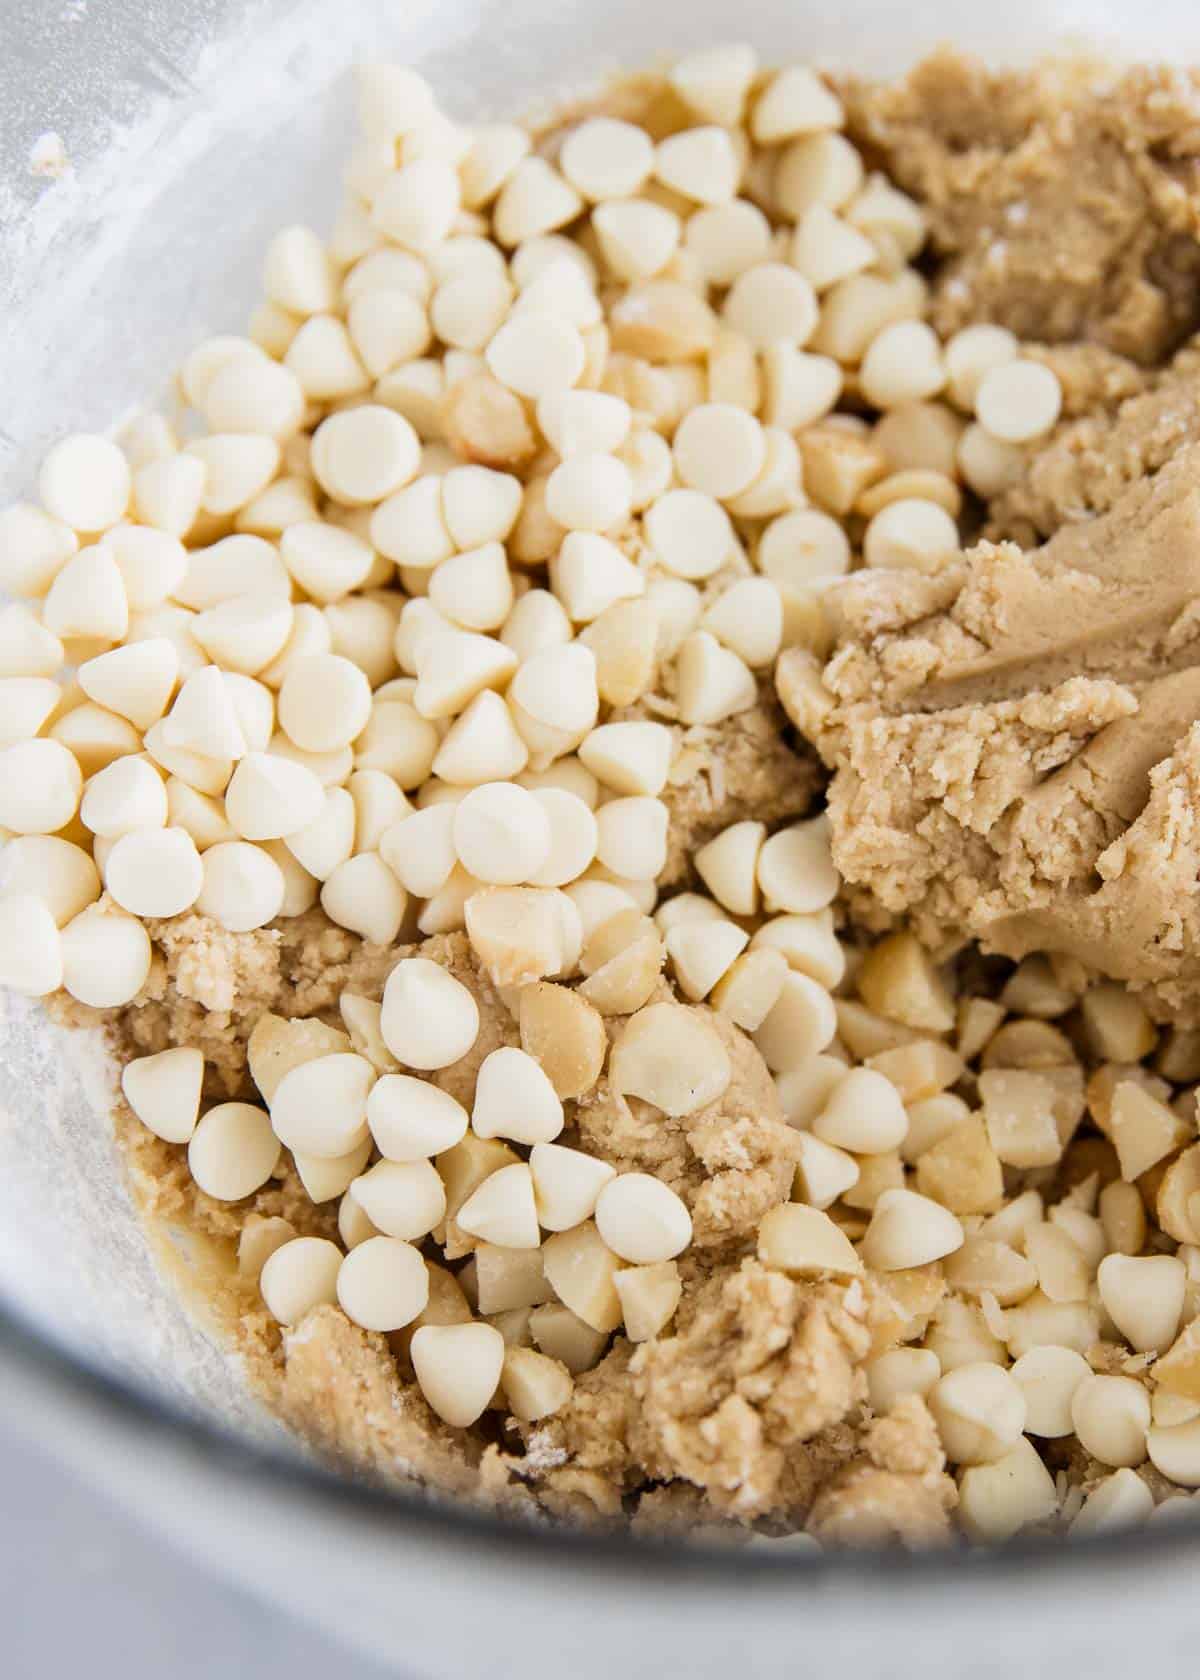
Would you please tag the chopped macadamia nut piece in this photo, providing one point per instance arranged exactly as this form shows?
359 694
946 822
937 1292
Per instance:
919 1070
1019 1113
520 934
898 979
535 1386
983 1267
565 1035
649 1296
558 1332
581 1270
670 1057
1063 1273
805 1242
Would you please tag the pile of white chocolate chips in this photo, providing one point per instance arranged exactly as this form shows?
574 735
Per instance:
457 569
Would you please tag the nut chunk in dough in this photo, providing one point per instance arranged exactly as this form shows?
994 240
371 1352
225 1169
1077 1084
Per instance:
1014 747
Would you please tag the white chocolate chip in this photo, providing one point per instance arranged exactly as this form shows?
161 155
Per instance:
698 163
909 1230
243 886
163 1090
714 81
980 1413
514 1099
566 1184
795 101
154 872
365 455
501 834
31 957
772 304
300 1276
233 1151
603 158
911 535
319 1107
971 355
795 868
429 1018
85 482
1111 1417
502 1209
56 871
1048 1376
458 1368
712 682
404 1199
1018 401
536 354
127 794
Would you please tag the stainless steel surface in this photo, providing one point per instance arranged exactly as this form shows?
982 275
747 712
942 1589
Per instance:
86 1587
193 128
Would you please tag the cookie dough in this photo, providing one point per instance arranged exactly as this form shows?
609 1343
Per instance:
1012 741
858 1141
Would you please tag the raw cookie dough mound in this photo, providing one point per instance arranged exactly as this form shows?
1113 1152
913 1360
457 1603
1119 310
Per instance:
1013 744
1066 204
1090 462
729 772
753 1409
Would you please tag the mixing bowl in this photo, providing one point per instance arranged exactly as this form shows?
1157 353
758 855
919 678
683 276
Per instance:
183 133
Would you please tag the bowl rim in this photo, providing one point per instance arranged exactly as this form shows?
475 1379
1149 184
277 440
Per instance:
119 1402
